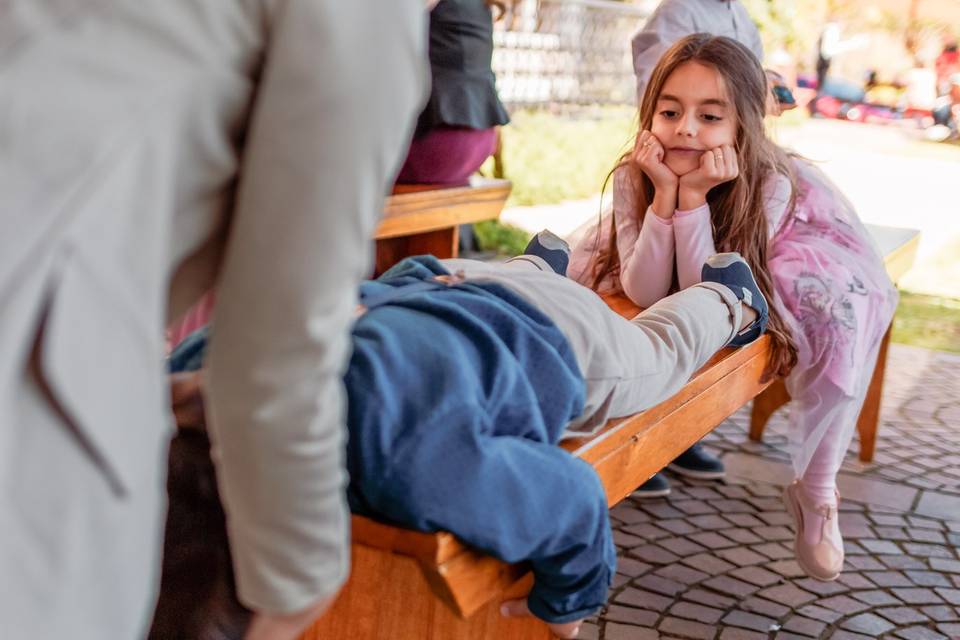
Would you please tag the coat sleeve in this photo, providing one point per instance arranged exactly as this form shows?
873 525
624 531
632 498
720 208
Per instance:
337 95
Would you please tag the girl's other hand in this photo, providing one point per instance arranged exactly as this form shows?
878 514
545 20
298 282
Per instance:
649 155
717 166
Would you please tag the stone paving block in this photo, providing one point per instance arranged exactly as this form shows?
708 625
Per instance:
728 506
848 635
756 575
625 540
941 613
902 562
742 536
708 563
919 633
854 580
629 514
819 613
741 556
868 623
632 568
709 522
892 533
643 599
732 633
712 540
938 505
928 578
942 564
773 550
774 533
788 594
660 585
743 520
843 605
880 547
693 507
856 531
629 615
734 492
786 568
917 595
902 615
731 586
681 546
619 580
749 621
686 628
696 612
866 563
786 635
653 554
616 631
677 526
927 535
805 626
660 510
950 595
703 493
709 598
764 607
924 550
888 578
821 588
950 630
646 530
767 505
681 574
875 597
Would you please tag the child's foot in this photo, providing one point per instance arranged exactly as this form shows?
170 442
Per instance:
553 249
818 544
732 271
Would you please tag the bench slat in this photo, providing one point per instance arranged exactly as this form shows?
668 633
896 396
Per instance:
419 211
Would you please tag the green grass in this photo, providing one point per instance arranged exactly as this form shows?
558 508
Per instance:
552 158
928 321
504 239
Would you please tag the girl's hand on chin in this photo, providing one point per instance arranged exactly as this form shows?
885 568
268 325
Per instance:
649 155
717 166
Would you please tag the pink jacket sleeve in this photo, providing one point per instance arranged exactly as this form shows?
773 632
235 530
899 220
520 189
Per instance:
693 230
646 250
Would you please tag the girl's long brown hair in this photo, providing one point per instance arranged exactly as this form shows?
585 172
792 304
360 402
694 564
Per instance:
736 207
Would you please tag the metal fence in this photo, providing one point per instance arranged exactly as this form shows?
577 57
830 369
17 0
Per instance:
567 52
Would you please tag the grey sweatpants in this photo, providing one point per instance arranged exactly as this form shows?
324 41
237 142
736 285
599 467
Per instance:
629 365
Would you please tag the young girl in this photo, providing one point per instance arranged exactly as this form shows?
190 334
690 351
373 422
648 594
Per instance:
703 177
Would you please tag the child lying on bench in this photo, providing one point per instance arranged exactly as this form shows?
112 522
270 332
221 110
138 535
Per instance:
464 377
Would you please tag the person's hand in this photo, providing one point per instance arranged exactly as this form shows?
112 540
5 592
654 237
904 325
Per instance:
717 166
286 626
519 609
649 156
186 399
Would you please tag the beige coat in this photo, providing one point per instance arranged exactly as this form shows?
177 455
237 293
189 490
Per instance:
155 146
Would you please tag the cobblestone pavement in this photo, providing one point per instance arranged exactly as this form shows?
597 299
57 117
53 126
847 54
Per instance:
715 559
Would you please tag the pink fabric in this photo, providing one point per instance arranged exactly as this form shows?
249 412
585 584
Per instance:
447 155
830 283
196 316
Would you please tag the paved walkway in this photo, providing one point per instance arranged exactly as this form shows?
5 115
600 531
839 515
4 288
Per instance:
715 559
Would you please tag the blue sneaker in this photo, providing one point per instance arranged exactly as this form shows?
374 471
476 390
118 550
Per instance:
552 248
732 271
656 487
697 462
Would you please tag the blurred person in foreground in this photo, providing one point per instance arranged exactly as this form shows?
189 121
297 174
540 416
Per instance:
152 149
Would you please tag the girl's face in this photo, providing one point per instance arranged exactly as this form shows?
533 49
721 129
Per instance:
693 114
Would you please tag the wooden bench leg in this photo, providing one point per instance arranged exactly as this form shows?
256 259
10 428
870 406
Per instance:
869 418
387 596
769 400
442 243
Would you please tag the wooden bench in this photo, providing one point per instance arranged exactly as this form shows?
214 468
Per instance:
899 249
407 585
419 219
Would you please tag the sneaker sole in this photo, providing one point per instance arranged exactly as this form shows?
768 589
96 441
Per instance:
648 495
697 475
